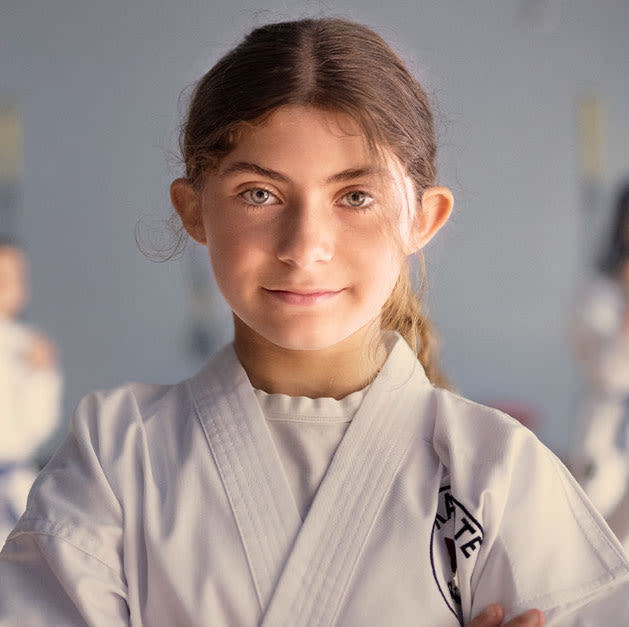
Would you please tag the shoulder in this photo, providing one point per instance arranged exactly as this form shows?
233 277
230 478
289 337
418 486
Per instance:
114 433
131 402
141 401
490 458
529 510
120 422
110 420
487 456
502 472
479 435
113 422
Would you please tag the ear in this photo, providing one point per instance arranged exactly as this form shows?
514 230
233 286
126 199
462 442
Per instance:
187 204
436 206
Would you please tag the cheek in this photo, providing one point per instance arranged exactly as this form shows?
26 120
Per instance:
389 276
379 261
235 257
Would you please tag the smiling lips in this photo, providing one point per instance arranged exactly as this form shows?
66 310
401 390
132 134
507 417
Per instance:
309 297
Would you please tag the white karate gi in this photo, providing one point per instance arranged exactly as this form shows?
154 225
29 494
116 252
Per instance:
601 452
169 505
29 412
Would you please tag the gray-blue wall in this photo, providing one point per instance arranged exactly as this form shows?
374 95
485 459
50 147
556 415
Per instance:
98 85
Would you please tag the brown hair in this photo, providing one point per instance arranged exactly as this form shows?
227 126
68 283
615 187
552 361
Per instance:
337 65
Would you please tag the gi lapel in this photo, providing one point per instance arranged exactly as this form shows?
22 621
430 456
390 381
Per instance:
316 576
242 446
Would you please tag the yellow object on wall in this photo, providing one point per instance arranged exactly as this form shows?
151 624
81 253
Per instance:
10 144
591 137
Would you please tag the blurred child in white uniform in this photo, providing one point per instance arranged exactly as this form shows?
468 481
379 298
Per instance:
30 387
600 458
314 472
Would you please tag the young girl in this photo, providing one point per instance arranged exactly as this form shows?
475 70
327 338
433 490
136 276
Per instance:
30 388
600 458
314 472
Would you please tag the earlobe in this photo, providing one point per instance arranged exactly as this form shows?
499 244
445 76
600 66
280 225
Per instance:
187 204
436 206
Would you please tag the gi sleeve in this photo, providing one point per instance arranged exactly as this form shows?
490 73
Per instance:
63 562
545 545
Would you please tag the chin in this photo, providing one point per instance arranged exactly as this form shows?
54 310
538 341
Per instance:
306 340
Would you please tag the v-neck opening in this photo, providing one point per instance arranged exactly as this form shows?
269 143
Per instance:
300 568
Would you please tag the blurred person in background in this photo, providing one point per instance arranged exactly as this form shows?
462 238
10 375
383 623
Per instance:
600 455
30 388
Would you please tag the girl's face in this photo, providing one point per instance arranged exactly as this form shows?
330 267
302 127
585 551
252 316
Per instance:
304 231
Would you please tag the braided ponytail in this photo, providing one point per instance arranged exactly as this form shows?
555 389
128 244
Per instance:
402 313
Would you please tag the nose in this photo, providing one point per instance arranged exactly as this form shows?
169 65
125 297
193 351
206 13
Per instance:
307 237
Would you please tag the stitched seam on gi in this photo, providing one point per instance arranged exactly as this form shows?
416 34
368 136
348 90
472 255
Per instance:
364 510
258 522
73 544
355 531
587 587
567 609
323 558
214 436
378 509
595 527
395 444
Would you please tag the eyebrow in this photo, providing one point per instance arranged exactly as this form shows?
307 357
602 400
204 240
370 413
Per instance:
346 175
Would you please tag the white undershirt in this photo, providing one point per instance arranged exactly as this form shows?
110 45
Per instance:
306 432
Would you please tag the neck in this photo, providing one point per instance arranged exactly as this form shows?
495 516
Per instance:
335 371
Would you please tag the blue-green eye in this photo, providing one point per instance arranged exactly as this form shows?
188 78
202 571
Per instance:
358 199
257 196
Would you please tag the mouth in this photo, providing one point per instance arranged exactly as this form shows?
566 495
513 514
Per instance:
303 297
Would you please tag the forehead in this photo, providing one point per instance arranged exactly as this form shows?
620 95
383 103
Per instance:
290 119
297 137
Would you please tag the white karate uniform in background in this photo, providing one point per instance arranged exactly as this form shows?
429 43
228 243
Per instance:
601 452
177 505
29 412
